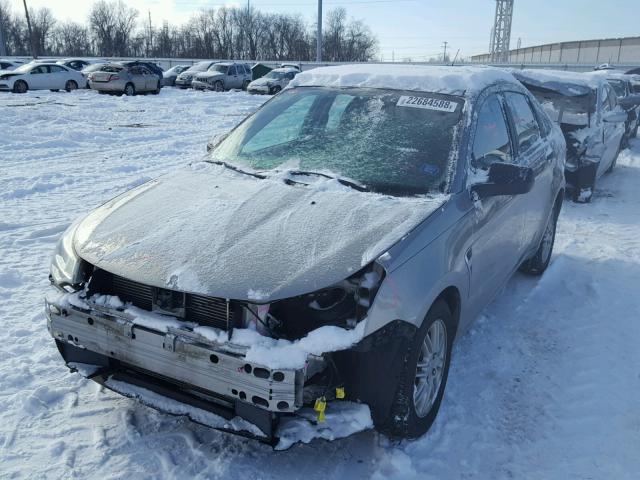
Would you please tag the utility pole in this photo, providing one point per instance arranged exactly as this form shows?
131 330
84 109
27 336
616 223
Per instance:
319 33
444 55
3 46
150 42
34 52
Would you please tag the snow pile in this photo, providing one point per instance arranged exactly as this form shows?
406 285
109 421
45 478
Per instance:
459 80
342 419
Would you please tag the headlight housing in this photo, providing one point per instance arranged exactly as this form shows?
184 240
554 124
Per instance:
68 270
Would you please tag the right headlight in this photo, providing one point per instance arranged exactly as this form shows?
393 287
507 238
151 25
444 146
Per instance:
67 268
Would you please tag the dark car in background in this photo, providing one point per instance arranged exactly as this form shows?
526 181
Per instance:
586 108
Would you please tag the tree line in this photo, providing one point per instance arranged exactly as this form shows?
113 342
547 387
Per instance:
114 29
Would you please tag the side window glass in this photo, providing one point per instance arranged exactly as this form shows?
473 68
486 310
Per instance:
604 100
232 70
491 143
527 129
613 100
56 69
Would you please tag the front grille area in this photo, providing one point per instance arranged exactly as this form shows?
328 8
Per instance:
200 309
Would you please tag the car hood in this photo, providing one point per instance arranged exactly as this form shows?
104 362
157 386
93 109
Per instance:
8 72
261 82
210 75
212 231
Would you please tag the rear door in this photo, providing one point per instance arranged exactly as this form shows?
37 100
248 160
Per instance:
498 221
534 151
611 132
234 80
59 76
138 78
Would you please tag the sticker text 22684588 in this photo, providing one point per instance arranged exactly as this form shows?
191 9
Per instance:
428 103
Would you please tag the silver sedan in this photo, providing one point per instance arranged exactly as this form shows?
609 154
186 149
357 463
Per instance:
116 78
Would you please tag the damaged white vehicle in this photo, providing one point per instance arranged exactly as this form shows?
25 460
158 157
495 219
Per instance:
309 277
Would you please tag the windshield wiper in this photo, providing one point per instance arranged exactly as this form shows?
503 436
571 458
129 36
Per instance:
236 169
348 183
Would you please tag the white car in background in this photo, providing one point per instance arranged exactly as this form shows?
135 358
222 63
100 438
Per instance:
41 76
274 81
10 64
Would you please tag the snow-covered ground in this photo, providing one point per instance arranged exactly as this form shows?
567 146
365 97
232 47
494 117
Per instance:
546 385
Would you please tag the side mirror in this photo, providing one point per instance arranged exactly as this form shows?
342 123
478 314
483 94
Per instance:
615 117
216 140
505 179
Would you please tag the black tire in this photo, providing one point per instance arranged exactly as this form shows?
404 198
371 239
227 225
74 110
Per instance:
71 85
275 90
537 264
218 86
403 420
20 87
157 90
583 195
129 90
245 85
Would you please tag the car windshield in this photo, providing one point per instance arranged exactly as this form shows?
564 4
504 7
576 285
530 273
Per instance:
389 141
199 67
275 75
219 68
565 109
23 68
618 87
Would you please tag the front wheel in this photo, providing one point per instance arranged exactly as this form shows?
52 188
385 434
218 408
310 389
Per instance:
71 85
218 86
423 376
20 87
537 264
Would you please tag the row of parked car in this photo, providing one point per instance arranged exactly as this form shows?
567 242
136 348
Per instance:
138 76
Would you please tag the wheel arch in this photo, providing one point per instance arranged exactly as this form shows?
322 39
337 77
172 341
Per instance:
451 296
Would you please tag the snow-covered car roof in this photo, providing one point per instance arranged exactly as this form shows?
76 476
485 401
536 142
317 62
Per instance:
436 79
581 83
286 69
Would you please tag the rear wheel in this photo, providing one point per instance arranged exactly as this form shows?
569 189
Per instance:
218 86
20 87
129 90
157 90
537 264
71 85
423 377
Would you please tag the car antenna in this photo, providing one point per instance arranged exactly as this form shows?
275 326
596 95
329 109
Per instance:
455 58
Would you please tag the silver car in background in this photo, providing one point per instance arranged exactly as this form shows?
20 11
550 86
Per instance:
118 79
332 247
184 79
169 77
223 76
274 81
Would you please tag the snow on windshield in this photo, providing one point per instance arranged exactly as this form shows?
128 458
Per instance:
393 142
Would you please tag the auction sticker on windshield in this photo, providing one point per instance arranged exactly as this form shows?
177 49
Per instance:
428 103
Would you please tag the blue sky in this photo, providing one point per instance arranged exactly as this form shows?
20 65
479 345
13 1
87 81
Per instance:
416 28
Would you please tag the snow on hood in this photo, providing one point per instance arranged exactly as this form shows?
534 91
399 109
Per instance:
211 231
438 79
209 74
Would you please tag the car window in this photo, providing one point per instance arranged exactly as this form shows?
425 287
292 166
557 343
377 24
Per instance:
290 75
526 125
491 143
4 65
613 100
56 69
232 70
38 70
336 111
604 99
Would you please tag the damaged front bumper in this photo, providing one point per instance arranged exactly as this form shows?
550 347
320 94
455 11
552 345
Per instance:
179 364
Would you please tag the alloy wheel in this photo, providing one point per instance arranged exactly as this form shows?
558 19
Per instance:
430 368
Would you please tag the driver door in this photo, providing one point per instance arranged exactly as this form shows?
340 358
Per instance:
498 232
39 78
233 79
